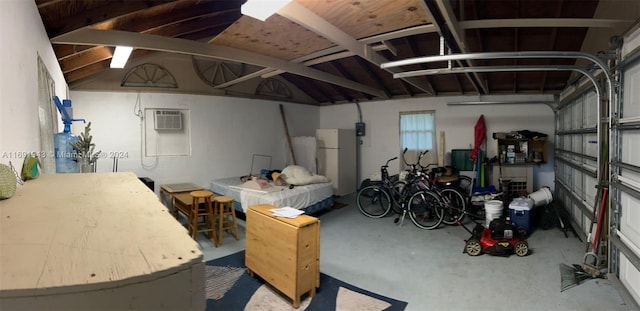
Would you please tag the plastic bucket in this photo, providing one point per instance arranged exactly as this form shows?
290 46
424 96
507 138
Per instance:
492 210
541 197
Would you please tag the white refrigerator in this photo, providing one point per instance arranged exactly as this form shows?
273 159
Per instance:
337 158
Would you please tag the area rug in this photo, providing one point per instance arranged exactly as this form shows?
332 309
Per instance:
229 287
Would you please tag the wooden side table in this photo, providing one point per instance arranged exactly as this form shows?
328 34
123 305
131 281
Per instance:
168 194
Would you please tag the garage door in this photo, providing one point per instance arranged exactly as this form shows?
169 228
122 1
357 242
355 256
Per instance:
625 173
598 145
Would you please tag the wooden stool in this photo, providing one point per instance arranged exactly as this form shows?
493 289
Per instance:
206 212
226 217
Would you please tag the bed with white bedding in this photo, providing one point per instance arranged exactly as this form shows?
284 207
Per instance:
311 198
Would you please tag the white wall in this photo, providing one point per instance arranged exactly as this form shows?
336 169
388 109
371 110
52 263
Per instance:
382 126
225 133
23 38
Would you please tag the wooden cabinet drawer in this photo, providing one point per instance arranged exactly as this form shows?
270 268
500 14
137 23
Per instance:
284 252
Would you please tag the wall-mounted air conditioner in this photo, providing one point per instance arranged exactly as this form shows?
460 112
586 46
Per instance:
167 120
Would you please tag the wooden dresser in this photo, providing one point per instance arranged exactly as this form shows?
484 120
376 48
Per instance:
284 252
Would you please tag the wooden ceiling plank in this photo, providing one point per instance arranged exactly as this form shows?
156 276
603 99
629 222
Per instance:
63 51
344 73
182 11
363 18
41 4
373 75
87 71
101 14
182 46
550 45
86 58
407 88
306 18
338 51
416 51
193 25
480 38
306 88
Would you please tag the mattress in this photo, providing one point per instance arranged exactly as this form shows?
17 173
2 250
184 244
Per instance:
299 197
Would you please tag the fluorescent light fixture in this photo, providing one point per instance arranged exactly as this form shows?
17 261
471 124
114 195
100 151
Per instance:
120 56
262 9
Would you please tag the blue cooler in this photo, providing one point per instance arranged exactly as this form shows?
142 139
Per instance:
520 213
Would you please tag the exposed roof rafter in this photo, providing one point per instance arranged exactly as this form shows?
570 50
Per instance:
189 47
303 16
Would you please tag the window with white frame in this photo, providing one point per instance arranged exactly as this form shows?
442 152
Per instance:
417 134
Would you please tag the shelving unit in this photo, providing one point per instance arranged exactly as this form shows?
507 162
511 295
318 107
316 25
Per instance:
516 158
525 151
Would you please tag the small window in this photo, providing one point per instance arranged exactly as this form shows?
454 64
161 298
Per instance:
417 134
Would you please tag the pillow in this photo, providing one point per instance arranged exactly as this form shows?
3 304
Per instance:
298 175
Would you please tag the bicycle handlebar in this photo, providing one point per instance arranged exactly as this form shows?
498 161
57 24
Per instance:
417 164
387 165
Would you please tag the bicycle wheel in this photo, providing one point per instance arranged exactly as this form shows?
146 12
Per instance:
373 201
426 209
455 205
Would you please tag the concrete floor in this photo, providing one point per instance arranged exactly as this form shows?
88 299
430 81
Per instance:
427 268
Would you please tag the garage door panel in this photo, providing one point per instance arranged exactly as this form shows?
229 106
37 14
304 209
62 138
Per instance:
631 95
630 277
631 143
569 142
626 145
630 218
576 182
591 191
591 110
591 144
577 116
576 144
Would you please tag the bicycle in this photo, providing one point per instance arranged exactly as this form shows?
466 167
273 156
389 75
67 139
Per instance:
455 202
425 209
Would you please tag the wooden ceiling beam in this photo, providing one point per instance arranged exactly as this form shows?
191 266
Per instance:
86 71
459 44
65 50
45 3
308 19
189 47
345 74
416 51
373 75
182 11
480 39
307 88
86 58
337 52
194 25
103 13
550 46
